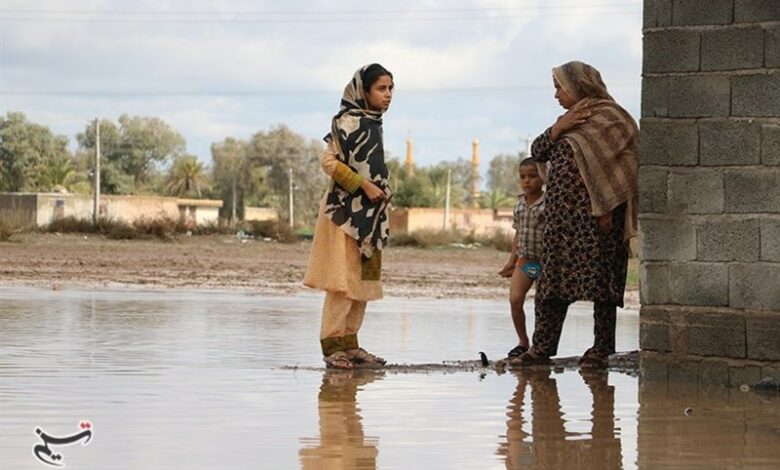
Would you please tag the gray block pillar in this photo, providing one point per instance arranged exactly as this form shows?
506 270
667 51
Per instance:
710 188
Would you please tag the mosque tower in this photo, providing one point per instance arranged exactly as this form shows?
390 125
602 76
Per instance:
475 173
409 163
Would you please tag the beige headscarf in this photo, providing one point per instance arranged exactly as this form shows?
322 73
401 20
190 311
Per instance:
605 145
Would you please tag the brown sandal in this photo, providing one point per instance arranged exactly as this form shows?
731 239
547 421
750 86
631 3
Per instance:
338 360
362 357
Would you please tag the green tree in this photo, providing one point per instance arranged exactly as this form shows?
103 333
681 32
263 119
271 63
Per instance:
496 198
27 151
503 173
137 147
187 177
277 151
233 176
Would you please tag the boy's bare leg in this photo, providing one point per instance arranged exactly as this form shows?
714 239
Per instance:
518 289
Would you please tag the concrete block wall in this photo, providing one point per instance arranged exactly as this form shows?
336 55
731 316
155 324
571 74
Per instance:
710 181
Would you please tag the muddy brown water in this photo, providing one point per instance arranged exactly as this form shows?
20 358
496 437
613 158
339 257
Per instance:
207 380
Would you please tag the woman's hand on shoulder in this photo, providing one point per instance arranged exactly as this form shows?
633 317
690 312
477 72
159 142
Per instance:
373 192
568 121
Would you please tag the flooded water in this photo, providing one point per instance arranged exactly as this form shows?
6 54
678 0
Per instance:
195 380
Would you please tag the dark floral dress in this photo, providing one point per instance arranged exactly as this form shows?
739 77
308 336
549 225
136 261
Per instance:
578 261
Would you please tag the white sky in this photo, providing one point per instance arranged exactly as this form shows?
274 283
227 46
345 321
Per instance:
463 69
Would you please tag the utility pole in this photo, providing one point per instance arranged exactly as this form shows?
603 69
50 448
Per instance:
447 200
291 198
96 201
234 200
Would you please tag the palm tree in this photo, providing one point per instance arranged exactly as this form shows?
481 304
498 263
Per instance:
496 199
186 177
58 170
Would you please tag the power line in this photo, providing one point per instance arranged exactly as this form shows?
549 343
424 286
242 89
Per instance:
314 17
496 89
321 12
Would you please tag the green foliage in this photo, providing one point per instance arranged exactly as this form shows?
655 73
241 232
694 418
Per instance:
138 147
496 198
186 177
32 158
275 152
503 173
427 187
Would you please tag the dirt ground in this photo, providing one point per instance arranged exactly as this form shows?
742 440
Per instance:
227 263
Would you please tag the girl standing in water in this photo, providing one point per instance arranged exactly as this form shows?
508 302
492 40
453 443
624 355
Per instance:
352 225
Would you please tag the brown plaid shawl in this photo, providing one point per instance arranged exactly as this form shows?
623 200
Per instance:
605 146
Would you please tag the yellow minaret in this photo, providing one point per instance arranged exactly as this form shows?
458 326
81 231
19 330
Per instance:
475 173
409 164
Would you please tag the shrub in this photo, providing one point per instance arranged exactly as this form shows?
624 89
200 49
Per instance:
274 229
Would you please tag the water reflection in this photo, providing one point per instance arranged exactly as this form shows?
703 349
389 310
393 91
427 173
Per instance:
341 443
543 442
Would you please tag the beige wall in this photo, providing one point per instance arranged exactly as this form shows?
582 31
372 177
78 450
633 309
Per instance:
260 213
479 221
43 208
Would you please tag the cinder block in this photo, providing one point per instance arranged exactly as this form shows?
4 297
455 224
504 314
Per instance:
653 368
746 375
729 240
700 96
770 240
772 47
683 378
654 337
754 285
763 336
696 12
657 13
749 11
752 190
652 189
669 142
673 51
655 96
732 49
713 373
695 191
756 95
729 142
699 284
654 283
715 334
770 144
667 239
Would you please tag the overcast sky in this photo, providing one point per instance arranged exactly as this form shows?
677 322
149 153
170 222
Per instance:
463 69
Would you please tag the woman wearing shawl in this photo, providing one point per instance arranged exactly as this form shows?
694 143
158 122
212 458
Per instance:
353 225
590 210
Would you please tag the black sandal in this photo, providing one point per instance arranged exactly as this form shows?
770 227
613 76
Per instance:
593 360
517 351
530 358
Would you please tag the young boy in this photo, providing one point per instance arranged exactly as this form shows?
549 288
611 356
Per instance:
523 265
